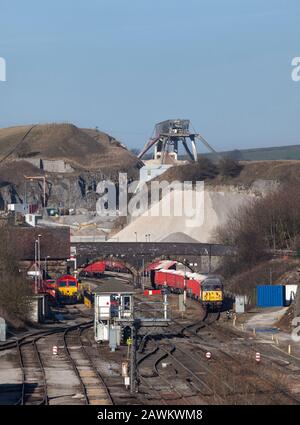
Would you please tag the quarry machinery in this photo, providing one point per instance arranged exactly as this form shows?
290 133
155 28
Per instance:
167 137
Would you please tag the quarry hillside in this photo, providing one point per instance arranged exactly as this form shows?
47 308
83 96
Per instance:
73 159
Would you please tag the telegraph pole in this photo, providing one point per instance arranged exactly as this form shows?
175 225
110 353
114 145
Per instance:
39 259
184 290
143 274
35 266
48 256
133 366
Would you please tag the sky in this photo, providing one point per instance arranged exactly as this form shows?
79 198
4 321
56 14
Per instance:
125 65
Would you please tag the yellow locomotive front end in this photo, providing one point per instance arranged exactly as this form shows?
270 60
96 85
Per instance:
68 292
67 287
212 296
212 293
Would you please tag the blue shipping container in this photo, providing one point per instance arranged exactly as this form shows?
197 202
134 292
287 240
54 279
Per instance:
270 295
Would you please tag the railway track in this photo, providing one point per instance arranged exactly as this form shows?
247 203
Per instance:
97 281
93 387
232 382
77 354
263 382
34 385
33 389
197 390
186 378
228 378
255 378
29 338
233 378
156 386
208 319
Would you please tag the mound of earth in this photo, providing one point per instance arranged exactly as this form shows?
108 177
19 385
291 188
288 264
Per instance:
81 148
162 219
178 237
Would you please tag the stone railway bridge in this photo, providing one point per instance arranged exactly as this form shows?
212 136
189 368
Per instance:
55 244
200 257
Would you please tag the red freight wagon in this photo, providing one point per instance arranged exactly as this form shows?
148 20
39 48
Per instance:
174 280
177 281
170 278
51 288
46 286
159 278
97 267
194 288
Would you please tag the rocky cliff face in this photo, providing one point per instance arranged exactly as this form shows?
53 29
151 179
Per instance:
77 190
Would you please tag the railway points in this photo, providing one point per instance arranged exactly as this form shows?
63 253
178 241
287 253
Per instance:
199 356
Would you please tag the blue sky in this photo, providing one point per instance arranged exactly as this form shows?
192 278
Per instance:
125 65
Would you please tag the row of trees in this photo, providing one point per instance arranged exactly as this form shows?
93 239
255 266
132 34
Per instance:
266 224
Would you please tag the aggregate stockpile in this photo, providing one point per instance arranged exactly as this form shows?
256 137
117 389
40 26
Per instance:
214 209
223 195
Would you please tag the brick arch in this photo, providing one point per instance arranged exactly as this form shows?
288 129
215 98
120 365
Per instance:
164 257
126 263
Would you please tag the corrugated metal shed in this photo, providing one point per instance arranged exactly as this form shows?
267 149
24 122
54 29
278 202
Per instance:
270 295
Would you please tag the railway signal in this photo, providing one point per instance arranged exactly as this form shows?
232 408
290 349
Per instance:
257 357
208 355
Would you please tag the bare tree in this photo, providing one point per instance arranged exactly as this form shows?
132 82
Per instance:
268 223
229 167
15 292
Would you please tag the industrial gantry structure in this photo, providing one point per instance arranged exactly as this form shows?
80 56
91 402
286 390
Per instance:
167 137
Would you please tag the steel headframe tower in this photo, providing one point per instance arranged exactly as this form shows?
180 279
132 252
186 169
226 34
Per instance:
167 136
